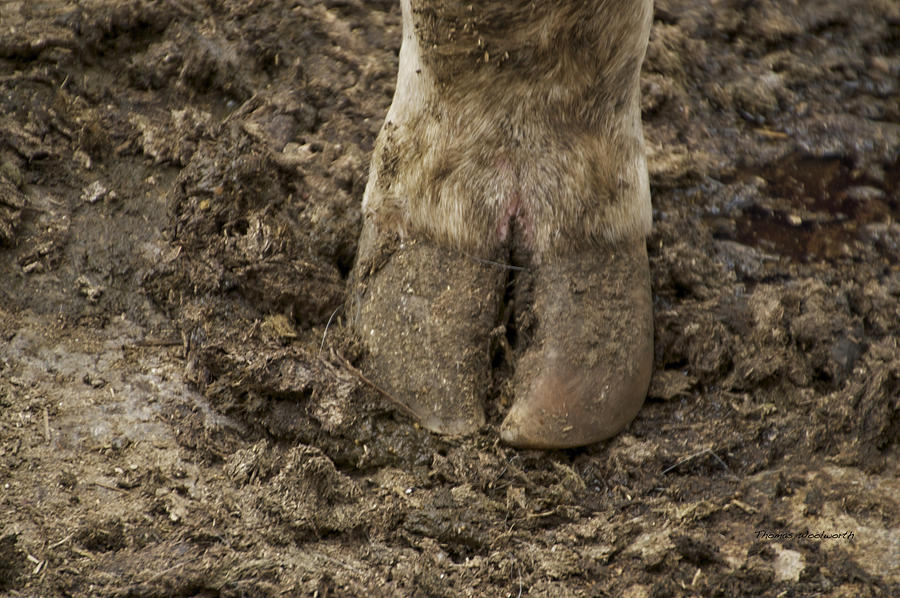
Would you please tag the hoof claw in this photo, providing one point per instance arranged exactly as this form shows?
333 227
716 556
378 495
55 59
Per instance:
586 374
425 316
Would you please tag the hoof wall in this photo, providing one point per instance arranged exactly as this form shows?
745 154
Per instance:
586 373
425 318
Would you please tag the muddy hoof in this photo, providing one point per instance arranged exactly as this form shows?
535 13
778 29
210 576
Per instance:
425 317
587 370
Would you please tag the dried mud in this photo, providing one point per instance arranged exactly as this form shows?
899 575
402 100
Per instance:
179 210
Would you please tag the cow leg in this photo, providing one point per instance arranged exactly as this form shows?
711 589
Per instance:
422 304
514 131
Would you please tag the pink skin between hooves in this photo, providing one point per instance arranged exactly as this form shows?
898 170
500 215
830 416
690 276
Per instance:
516 210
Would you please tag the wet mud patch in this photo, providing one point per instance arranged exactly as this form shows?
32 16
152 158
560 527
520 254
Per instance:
817 209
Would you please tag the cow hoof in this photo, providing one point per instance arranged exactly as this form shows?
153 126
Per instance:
424 315
586 372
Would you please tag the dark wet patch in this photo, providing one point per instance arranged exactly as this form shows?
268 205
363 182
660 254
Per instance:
815 207
12 562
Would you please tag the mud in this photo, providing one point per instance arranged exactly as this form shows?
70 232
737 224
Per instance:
181 411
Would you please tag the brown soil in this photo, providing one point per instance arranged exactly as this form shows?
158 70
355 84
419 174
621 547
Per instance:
180 184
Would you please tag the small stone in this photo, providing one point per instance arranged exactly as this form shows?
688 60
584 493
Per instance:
788 564
94 192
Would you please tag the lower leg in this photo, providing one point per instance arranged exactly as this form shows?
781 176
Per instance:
503 120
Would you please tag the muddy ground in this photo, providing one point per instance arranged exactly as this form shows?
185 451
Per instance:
180 184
